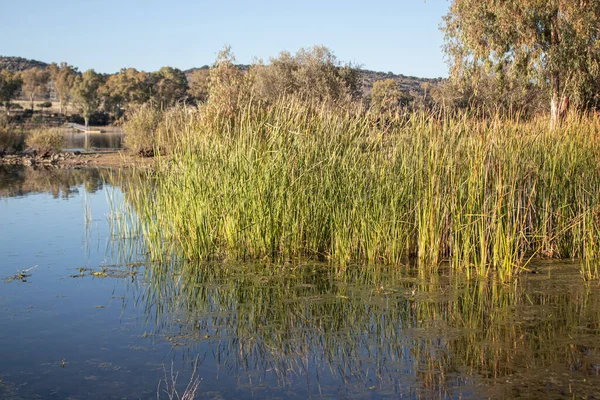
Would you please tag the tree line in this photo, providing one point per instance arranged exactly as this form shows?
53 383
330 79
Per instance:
514 57
311 74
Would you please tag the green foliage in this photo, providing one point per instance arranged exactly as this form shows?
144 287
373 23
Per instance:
129 86
200 84
85 92
385 96
63 76
45 104
10 138
35 83
314 75
46 139
169 85
10 84
293 181
552 43
141 129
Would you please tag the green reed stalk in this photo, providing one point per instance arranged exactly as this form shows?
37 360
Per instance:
290 181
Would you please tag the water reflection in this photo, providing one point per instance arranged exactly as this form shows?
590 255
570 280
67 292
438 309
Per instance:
384 332
17 180
261 330
108 139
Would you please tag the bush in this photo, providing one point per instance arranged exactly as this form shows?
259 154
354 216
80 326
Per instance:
99 118
46 104
45 140
141 129
9 138
76 119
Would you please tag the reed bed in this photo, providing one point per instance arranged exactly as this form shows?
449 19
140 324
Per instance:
293 180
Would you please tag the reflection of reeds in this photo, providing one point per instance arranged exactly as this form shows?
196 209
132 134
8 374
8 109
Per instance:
372 325
170 383
291 181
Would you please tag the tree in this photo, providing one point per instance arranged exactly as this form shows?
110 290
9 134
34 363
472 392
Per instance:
63 76
86 93
313 74
229 87
35 83
385 95
199 84
127 86
169 85
552 42
10 84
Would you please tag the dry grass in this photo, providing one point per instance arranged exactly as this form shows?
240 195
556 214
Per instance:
46 139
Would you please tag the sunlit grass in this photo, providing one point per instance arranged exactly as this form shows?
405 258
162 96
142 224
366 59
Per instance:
292 181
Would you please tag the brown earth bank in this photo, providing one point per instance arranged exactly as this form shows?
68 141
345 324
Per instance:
106 159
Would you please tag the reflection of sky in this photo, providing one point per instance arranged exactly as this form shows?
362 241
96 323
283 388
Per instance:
53 317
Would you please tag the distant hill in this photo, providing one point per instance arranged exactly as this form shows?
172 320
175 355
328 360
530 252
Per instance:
406 84
17 64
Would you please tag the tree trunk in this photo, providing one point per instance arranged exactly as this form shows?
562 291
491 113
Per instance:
554 111
554 102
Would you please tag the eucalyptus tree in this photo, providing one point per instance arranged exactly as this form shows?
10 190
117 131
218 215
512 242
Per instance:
86 93
169 86
63 76
554 43
10 84
127 86
35 83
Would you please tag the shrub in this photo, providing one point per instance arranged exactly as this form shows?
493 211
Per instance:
45 139
76 119
45 104
9 138
141 129
99 118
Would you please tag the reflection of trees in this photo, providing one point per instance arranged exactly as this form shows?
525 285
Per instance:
20 180
383 328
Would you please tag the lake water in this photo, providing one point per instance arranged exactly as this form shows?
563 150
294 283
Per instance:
109 139
85 315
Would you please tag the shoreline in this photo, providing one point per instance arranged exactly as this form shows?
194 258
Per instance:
101 159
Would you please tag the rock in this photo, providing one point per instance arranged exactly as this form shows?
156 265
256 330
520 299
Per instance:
30 151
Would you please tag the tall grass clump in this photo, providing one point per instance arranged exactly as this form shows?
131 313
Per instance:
10 137
46 139
141 127
292 180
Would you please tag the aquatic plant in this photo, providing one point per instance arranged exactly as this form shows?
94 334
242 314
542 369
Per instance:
290 181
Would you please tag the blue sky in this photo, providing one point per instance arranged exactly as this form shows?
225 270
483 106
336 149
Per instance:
401 36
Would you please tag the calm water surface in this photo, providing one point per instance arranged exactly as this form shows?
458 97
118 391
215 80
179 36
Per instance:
110 138
84 314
